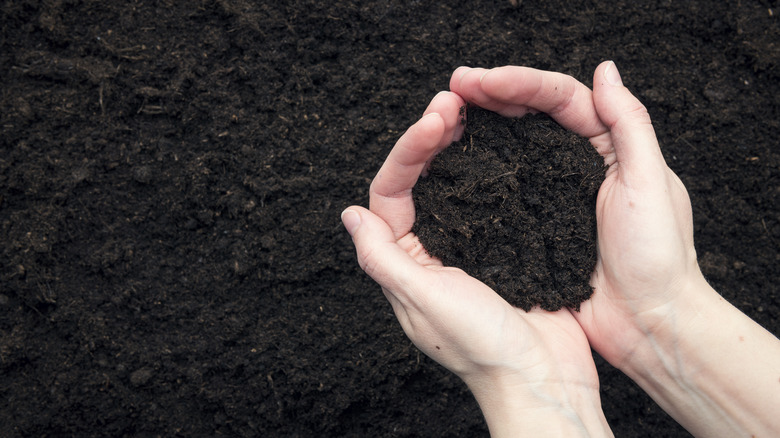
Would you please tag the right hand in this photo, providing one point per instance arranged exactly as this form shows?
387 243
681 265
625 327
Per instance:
646 257
652 313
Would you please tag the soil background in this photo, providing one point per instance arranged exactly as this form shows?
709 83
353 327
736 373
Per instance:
172 173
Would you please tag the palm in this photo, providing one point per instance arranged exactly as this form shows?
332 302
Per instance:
460 310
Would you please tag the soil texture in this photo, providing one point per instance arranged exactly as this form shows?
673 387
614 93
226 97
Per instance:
172 173
513 203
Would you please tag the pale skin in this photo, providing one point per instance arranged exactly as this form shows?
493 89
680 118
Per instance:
652 314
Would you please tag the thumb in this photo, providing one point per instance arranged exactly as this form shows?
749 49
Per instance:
631 131
378 252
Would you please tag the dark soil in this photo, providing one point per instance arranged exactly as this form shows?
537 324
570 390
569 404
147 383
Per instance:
514 205
172 173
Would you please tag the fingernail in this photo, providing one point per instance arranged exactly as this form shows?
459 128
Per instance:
462 69
351 220
427 116
612 75
483 75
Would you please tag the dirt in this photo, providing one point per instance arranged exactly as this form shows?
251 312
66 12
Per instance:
172 174
513 203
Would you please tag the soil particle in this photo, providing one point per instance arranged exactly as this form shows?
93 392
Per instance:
141 377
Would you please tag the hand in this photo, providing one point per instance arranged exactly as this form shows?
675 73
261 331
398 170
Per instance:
645 231
707 364
652 313
511 360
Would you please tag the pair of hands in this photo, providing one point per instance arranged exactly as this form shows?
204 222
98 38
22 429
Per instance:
646 259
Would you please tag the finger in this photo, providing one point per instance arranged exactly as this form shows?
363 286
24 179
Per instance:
380 256
514 91
465 82
391 190
630 129
448 105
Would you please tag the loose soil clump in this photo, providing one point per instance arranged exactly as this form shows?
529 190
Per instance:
513 203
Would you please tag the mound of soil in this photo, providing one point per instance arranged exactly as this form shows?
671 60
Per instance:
514 205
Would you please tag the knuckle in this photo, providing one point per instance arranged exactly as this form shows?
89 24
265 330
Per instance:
368 262
638 113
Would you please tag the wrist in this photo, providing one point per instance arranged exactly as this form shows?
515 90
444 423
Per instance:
662 329
660 358
710 367
540 408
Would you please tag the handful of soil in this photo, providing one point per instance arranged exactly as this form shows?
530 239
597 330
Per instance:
513 204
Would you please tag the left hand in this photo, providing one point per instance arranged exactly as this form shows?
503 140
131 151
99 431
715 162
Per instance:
452 317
